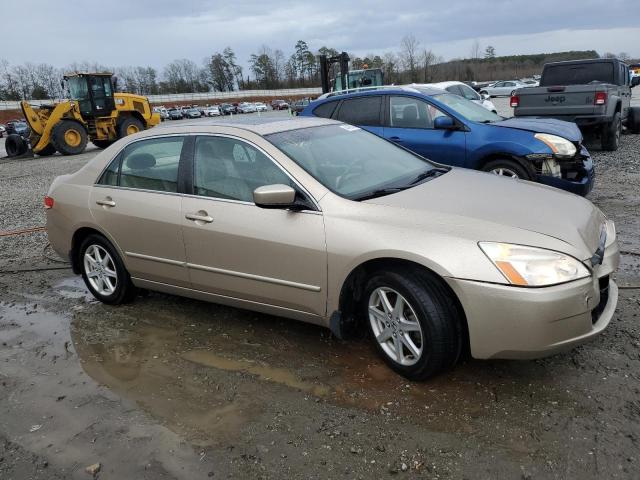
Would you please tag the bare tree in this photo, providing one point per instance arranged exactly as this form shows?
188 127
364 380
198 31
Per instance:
428 59
409 54
476 51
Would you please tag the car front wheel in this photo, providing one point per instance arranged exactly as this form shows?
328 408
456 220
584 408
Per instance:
413 323
506 168
104 272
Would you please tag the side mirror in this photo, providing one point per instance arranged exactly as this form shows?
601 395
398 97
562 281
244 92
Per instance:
485 96
635 81
444 123
274 196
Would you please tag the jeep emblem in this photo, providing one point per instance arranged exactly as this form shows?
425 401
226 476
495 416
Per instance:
556 99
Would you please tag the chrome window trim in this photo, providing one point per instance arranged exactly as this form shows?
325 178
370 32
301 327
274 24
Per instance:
261 150
143 190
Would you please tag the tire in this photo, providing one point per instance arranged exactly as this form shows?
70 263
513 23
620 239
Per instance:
15 145
109 283
507 168
484 92
611 135
633 122
102 143
428 306
47 151
129 126
69 137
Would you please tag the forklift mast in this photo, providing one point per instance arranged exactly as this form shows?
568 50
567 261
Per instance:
325 66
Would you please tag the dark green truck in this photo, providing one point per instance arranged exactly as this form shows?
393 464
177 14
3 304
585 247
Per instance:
595 94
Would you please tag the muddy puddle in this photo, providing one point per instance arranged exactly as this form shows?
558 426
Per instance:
209 372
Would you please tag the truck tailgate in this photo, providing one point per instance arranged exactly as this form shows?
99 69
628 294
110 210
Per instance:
571 101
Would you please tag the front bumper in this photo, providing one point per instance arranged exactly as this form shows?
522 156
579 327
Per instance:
525 323
577 176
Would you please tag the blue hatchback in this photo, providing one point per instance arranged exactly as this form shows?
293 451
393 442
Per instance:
450 129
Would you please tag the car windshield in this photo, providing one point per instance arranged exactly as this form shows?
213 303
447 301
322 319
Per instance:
352 162
467 109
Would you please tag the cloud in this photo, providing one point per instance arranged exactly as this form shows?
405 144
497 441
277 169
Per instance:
154 32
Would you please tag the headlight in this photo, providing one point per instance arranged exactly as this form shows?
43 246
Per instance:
533 267
561 147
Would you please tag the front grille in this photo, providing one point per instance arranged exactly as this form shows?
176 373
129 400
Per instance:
603 285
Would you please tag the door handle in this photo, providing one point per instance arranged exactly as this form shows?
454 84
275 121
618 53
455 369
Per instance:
395 139
107 202
199 218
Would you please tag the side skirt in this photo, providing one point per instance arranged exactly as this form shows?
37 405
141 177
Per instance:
231 301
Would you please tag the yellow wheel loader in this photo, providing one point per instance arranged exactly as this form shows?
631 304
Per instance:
94 113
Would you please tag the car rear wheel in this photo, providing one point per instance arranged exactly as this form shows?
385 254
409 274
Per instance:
611 135
104 273
506 168
412 322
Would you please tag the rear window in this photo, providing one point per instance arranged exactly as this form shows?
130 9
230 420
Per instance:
578 74
361 111
325 110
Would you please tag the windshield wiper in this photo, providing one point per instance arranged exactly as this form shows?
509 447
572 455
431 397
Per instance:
381 192
434 172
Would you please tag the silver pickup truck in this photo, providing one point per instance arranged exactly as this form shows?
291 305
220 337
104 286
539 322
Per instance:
595 94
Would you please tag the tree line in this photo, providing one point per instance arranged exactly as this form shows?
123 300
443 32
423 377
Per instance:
272 69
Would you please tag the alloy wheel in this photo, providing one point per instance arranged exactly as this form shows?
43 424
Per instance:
100 270
395 326
505 172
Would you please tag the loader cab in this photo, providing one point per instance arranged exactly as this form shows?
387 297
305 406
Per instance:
93 92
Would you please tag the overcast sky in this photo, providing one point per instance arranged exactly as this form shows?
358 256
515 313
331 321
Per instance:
154 32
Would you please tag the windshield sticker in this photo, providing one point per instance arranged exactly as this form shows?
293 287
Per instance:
349 128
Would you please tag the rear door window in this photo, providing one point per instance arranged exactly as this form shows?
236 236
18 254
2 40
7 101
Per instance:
325 110
361 111
146 165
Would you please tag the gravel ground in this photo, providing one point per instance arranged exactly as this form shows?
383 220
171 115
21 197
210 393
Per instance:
173 388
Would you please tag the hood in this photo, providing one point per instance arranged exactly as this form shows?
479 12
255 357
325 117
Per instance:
504 202
563 129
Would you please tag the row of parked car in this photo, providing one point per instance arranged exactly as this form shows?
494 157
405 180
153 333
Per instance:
197 111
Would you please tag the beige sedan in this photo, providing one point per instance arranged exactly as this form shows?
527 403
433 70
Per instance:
323 222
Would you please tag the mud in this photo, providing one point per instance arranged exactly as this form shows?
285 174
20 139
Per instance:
171 388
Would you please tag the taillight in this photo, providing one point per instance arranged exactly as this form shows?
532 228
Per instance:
600 98
48 202
515 100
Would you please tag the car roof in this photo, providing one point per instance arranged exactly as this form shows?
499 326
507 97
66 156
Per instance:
422 89
260 125
440 85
